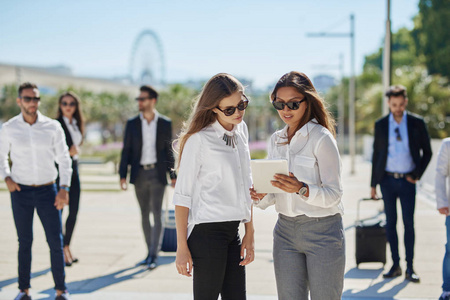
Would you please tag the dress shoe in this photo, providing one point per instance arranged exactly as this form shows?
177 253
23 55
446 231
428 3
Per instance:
145 261
75 260
67 263
22 296
152 264
395 271
411 275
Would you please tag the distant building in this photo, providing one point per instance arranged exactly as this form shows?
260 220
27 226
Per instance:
52 79
324 82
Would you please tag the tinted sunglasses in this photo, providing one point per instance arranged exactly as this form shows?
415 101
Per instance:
231 110
142 98
291 105
29 99
398 137
71 104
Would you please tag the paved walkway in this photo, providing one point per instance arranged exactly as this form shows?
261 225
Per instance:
108 241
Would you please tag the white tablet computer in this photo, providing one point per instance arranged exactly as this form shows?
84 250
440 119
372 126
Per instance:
263 171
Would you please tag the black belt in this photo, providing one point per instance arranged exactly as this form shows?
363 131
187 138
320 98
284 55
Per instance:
148 167
397 175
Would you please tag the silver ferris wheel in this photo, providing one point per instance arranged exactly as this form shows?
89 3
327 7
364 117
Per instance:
147 65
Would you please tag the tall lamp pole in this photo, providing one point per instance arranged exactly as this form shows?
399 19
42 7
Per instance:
351 106
387 59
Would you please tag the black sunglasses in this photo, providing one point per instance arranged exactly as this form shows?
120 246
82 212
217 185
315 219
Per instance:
72 104
231 110
291 105
29 99
398 136
142 98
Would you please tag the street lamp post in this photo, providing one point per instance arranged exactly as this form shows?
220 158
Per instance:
386 59
351 106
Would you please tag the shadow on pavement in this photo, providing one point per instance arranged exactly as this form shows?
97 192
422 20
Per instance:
356 273
90 285
373 291
15 279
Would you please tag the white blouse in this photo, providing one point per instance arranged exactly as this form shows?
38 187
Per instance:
214 178
75 133
313 158
443 175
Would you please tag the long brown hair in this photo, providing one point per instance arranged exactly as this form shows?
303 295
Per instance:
315 107
218 87
78 114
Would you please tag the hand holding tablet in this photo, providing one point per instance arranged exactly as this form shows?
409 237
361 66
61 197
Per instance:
263 172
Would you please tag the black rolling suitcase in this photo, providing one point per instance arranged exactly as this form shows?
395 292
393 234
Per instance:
370 238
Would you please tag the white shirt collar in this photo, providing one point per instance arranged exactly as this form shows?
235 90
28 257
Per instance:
220 131
39 119
141 115
304 130
74 121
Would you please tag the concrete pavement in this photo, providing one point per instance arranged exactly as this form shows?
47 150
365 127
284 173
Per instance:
108 241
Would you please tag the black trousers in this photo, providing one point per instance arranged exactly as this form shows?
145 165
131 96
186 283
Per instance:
215 250
74 203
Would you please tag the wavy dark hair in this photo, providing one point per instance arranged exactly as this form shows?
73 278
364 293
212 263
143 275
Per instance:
315 107
77 115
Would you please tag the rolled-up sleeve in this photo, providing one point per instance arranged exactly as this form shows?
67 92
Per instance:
4 150
62 156
442 173
329 192
190 165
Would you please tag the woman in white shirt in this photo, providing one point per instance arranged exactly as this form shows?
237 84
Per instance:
212 192
309 249
71 118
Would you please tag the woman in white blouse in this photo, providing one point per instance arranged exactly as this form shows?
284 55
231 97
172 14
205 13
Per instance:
309 248
212 192
71 118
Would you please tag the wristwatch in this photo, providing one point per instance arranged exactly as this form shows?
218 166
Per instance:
303 190
66 188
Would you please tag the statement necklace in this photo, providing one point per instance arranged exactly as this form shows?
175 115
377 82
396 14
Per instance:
230 140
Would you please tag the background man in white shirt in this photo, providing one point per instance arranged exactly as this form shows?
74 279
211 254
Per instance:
34 143
147 147
442 199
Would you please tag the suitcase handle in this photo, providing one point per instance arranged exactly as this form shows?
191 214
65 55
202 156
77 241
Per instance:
358 206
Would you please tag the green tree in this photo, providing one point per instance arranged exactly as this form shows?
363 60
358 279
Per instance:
8 105
432 35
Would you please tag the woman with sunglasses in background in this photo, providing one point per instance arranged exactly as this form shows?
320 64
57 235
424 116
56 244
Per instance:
71 119
212 192
309 248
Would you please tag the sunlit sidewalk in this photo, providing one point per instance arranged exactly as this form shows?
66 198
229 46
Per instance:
108 242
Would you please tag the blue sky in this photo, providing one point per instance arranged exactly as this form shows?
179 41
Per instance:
258 40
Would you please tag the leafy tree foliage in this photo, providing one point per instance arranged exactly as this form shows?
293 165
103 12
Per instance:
432 35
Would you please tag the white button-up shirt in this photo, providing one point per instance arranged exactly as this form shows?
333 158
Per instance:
443 175
214 179
74 132
313 158
34 149
148 155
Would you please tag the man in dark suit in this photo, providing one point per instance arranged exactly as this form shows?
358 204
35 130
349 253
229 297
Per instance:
401 153
147 147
